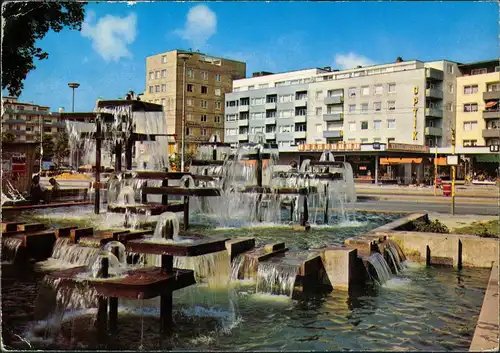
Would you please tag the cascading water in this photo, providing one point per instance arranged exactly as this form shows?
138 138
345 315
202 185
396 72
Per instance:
10 247
382 269
276 278
66 253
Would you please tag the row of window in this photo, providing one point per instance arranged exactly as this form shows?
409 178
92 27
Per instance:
203 118
473 125
490 87
189 73
203 89
377 125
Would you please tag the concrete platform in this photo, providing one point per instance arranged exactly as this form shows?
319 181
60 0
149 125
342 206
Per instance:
196 248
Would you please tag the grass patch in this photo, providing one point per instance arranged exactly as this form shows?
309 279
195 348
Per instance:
488 229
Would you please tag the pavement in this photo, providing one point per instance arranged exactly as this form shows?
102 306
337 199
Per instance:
474 191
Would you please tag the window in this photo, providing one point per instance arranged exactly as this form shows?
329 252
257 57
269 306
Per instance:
377 139
285 98
271 99
364 107
163 73
493 87
189 102
244 101
217 119
164 88
204 89
203 118
231 117
271 114
285 128
319 111
352 92
470 107
391 139
391 105
300 112
300 127
450 88
151 89
251 87
364 125
378 89
204 75
187 131
449 68
270 128
256 130
258 101
157 74
203 132
470 125
285 113
231 132
377 124
264 85
319 127
151 75
259 115
377 106
365 91
163 101
157 88
164 59
391 124
364 140
471 89
391 88
189 87
217 78
203 104
478 71
190 73
218 105
351 140
217 91
319 94
352 108
352 126
470 143
449 106
231 103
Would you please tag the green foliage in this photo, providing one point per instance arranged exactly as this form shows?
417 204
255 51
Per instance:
8 136
175 160
24 23
48 148
431 227
489 229
61 147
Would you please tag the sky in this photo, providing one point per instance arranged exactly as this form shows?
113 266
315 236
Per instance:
108 56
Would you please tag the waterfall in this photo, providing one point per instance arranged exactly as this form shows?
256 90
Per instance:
243 267
274 278
74 254
10 246
210 268
381 267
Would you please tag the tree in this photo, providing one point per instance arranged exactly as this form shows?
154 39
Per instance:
48 146
24 24
175 160
8 136
61 147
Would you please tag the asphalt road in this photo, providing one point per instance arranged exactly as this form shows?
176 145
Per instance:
490 209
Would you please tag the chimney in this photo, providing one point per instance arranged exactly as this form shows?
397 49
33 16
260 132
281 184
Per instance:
399 59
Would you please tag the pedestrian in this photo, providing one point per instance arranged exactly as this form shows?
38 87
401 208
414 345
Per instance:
293 167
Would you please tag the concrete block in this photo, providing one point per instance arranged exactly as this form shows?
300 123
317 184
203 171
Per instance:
404 223
65 231
364 245
76 234
274 247
30 227
10 226
237 246
478 252
341 266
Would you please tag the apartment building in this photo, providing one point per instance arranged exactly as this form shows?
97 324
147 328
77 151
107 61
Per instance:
408 102
478 104
27 120
207 80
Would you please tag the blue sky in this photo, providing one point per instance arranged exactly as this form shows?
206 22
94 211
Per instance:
108 56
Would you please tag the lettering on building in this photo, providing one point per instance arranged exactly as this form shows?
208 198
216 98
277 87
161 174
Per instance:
330 147
415 111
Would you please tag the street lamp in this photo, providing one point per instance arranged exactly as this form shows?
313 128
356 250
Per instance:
73 85
184 57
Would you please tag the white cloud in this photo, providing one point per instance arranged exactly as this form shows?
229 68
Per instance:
201 24
110 35
351 60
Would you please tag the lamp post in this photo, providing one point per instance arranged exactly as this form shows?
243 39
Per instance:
453 172
73 85
184 58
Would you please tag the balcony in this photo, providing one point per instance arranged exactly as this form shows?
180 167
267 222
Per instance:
243 122
433 131
270 135
492 114
491 133
243 108
334 100
434 112
299 134
434 74
332 133
333 117
434 93
270 121
300 102
15 121
243 137
491 95
270 106
300 118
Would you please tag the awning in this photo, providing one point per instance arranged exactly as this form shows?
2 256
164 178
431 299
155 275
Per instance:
440 161
385 161
491 104
488 158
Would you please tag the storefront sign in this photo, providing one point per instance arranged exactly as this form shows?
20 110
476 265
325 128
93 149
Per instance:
494 148
18 163
406 147
415 111
330 147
